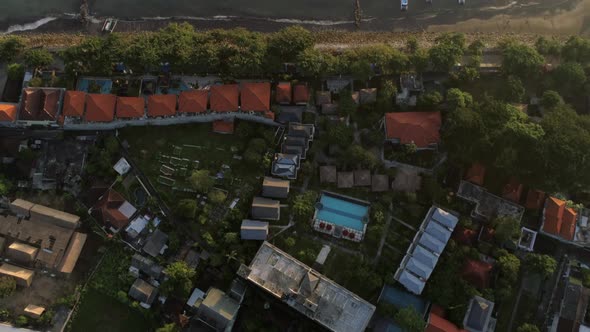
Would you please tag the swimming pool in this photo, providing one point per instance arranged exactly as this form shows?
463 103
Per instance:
342 212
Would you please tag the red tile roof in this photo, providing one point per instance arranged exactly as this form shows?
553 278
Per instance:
283 95
255 97
193 101
512 191
130 107
223 127
7 112
477 273
100 108
224 98
439 324
39 104
74 103
161 105
568 227
476 174
534 199
421 128
108 206
554 208
300 94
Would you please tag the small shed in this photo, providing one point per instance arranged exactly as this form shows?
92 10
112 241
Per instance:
275 188
21 252
156 243
345 179
368 96
328 174
264 208
24 277
362 178
329 109
323 97
143 292
34 311
379 183
254 230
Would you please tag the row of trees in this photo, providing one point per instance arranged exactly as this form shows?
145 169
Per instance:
12 48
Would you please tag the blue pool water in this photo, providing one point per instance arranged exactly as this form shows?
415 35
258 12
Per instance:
176 91
342 212
105 84
402 299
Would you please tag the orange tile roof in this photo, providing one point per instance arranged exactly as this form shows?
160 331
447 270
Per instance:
300 94
534 199
224 98
31 100
477 273
130 107
223 127
51 98
553 215
39 104
269 115
439 324
193 101
421 128
161 105
7 112
255 97
512 191
568 228
100 108
109 205
476 174
283 95
74 103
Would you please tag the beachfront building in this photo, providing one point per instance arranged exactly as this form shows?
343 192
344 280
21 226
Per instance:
307 291
425 250
341 216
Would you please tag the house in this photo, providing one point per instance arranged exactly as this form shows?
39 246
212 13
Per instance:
8 112
512 191
253 230
74 102
477 273
318 298
290 114
223 126
570 314
476 174
122 166
345 179
409 86
328 174
161 106
100 108
266 209
23 277
436 323
323 97
300 94
156 243
114 211
143 292
130 107
329 109
275 188
196 298
488 206
419 128
40 105
255 97
534 199
34 311
341 216
283 93
42 237
379 183
367 96
298 139
558 220
142 264
339 83
224 98
218 310
193 101
362 178
425 249
478 317
285 165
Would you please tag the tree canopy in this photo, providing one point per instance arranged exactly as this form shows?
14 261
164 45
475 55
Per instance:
545 265
38 57
201 180
303 204
186 208
409 320
180 279
527 327
507 228
522 61
7 286
10 48
287 44
447 52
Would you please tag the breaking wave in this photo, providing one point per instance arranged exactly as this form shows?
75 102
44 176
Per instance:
28 26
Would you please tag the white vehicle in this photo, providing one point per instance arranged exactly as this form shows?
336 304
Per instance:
404 5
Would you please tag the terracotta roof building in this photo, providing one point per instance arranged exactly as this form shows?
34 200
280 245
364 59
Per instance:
40 104
300 94
283 94
224 98
74 103
328 174
420 128
512 191
476 174
130 107
255 97
193 101
100 108
7 112
24 277
534 199
114 210
558 219
477 273
438 324
161 105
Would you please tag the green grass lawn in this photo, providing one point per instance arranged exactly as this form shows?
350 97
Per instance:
99 312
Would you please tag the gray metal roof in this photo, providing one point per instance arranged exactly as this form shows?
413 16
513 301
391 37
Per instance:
439 232
418 268
445 218
431 243
478 315
253 230
411 282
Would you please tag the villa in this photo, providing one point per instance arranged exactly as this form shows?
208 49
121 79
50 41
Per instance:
341 216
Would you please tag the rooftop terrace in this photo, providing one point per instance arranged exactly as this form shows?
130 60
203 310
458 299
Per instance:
488 206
